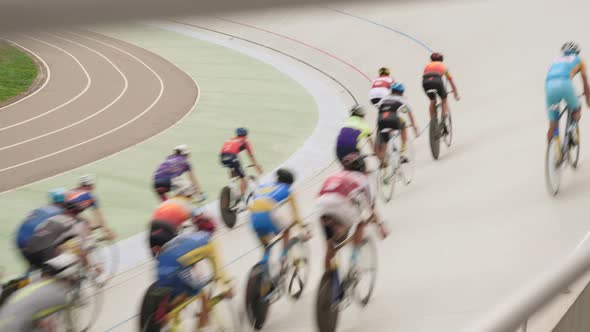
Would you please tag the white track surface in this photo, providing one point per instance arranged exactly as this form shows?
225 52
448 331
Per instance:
473 226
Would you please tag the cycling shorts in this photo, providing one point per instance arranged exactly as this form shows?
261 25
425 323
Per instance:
557 90
232 162
339 209
388 120
434 82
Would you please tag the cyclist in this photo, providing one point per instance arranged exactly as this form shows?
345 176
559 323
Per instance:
380 86
33 308
173 167
85 191
433 84
559 86
353 132
171 214
345 200
177 261
274 208
229 156
390 109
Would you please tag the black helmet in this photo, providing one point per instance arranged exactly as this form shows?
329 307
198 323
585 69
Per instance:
436 57
285 176
354 162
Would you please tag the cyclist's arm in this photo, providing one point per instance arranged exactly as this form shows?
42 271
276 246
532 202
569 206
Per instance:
294 209
193 178
215 259
585 83
452 83
252 158
100 221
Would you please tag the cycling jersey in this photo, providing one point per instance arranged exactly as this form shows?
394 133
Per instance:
559 85
33 220
436 68
236 145
380 87
348 184
173 166
83 198
177 259
267 213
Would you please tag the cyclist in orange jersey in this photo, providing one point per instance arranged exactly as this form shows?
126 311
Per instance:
433 84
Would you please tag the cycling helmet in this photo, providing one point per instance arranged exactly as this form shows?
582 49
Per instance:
436 57
182 150
397 87
358 110
87 180
183 188
285 176
242 132
57 196
204 223
570 48
384 71
354 162
65 265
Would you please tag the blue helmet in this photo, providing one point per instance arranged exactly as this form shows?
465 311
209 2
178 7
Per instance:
57 196
241 132
397 87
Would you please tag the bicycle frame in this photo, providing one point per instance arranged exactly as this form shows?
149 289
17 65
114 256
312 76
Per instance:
566 137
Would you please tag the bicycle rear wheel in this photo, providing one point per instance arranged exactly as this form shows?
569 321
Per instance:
552 166
227 214
367 272
434 136
256 306
326 303
298 267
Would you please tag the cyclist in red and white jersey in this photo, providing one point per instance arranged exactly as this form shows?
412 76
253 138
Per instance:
345 200
380 86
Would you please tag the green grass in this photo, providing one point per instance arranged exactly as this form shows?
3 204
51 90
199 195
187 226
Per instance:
17 71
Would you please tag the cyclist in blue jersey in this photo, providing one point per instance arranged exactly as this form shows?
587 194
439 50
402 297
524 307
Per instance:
352 134
274 208
85 191
559 87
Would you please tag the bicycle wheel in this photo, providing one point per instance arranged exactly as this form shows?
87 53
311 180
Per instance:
229 217
85 307
448 138
298 267
385 182
367 272
154 308
552 166
256 307
434 137
103 259
406 172
326 303
574 153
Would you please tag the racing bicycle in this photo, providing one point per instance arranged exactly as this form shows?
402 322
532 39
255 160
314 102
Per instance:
231 202
264 288
559 155
439 129
336 293
397 170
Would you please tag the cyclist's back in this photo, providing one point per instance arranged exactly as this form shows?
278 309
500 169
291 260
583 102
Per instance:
565 67
33 220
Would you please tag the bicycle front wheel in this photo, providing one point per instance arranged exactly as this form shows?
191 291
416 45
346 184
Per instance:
298 267
367 272
407 168
434 136
448 138
552 166
327 303
103 259
574 153
227 214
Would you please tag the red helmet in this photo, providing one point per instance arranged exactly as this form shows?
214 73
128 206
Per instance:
204 223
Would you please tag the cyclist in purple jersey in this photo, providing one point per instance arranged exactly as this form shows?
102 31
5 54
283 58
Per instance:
172 167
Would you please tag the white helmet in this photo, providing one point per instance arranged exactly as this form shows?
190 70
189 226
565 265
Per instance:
87 180
182 149
183 188
66 265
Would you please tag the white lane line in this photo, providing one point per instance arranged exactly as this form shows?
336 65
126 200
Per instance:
110 131
88 84
47 70
83 119
189 111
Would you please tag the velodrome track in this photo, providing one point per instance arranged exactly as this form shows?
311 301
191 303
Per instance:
101 96
473 226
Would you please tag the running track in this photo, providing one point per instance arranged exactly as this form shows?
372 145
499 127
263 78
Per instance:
101 96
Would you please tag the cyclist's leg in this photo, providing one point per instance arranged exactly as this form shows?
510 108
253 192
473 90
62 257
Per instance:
442 93
554 93
337 216
263 226
429 84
